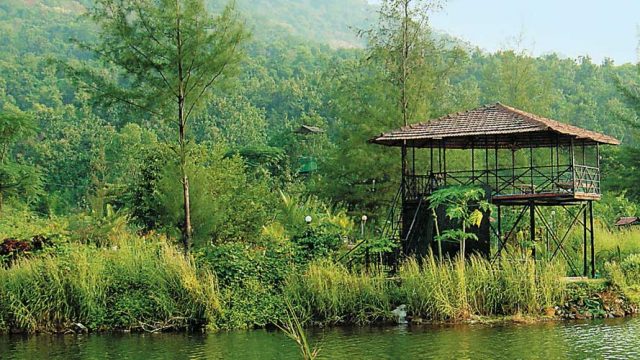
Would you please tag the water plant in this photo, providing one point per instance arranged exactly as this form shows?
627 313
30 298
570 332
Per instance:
293 328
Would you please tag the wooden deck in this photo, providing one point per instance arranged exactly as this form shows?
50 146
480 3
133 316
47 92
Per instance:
551 198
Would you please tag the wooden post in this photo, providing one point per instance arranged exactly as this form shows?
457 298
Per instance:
444 159
553 181
431 158
473 163
499 230
532 230
531 166
573 167
486 159
585 270
593 250
513 169
598 167
496 162
413 160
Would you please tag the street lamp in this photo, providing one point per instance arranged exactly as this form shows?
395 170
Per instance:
366 252
307 219
364 220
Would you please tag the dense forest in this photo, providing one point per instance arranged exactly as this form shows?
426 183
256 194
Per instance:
289 78
79 163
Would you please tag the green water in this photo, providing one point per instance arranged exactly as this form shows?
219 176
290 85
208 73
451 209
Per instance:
615 339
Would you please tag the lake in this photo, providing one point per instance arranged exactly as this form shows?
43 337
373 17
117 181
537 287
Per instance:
611 339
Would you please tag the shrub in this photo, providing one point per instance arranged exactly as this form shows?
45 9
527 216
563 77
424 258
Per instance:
251 278
631 268
317 242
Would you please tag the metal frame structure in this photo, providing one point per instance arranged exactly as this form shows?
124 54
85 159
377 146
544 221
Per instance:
550 164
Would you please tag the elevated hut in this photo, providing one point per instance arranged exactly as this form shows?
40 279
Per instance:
522 160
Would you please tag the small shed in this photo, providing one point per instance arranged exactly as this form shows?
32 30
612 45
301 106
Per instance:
628 221
309 129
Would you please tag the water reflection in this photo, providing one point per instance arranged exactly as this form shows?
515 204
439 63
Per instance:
611 339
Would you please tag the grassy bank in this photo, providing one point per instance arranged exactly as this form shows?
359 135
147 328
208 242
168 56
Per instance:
451 290
147 284
138 285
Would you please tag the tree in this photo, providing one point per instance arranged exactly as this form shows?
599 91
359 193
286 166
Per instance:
403 77
463 204
16 176
171 53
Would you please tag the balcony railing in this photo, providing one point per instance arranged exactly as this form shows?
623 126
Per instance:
561 180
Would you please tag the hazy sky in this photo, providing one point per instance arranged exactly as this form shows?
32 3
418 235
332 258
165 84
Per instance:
599 28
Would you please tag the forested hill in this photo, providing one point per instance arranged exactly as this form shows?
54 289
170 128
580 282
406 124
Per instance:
326 21
302 66
330 22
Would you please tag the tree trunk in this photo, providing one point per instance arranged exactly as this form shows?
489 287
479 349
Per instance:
186 230
182 122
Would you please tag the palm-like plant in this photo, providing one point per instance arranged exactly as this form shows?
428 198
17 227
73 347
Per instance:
464 204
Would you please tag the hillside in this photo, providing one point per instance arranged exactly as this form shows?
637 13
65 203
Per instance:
331 22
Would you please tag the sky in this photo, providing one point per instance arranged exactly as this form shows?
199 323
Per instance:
572 28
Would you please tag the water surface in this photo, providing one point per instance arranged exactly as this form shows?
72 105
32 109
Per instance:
610 339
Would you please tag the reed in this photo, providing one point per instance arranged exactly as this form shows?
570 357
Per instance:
145 285
330 294
293 328
453 289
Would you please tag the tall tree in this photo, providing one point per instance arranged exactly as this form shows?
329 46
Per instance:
402 78
16 176
171 53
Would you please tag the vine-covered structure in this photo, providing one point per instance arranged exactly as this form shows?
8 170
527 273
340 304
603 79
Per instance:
523 161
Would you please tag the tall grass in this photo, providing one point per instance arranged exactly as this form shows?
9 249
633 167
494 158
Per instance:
292 327
453 289
329 293
142 284
435 290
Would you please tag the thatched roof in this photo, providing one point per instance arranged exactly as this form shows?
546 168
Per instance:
490 126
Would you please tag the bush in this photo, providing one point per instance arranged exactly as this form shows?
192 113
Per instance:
251 278
317 242
631 268
626 276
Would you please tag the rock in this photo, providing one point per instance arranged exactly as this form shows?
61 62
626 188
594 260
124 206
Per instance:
401 313
549 311
79 328
588 315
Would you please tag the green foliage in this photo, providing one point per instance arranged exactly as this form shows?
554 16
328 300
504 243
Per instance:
143 284
317 242
464 205
625 276
251 278
455 289
328 293
16 176
227 204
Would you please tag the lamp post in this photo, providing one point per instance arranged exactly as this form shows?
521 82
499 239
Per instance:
363 221
308 219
